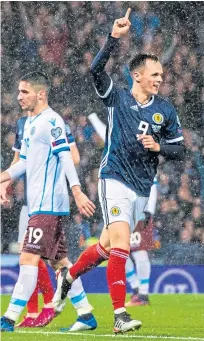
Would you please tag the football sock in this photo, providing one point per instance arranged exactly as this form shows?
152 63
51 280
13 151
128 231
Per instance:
44 282
116 278
32 305
131 276
143 266
78 298
90 258
24 288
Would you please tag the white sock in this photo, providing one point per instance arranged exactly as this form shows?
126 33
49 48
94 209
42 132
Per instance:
78 298
143 270
119 310
23 290
131 275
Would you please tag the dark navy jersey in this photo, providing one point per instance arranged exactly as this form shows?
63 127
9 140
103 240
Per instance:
124 157
19 137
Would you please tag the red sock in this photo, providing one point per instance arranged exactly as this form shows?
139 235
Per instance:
89 259
44 282
32 305
116 276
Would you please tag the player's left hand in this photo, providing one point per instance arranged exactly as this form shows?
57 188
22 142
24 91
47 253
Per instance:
3 193
85 206
148 142
121 26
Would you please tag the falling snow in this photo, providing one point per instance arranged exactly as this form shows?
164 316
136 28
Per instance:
61 39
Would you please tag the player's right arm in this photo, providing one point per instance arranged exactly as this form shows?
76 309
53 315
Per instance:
14 172
18 169
56 138
103 82
5 185
16 148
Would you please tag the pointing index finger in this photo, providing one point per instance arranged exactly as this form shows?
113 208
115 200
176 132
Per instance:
128 13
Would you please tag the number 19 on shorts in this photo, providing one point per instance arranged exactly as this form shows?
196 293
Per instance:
34 235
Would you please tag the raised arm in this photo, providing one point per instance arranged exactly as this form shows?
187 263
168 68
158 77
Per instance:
103 82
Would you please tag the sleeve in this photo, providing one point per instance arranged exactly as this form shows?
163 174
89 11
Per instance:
172 130
98 125
17 170
104 86
57 135
70 137
69 168
17 144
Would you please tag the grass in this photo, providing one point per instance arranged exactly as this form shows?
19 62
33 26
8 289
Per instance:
169 317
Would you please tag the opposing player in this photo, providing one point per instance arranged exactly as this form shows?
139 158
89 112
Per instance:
138 266
77 296
141 126
47 162
33 318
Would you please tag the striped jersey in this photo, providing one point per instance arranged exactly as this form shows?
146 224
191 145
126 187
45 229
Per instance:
45 135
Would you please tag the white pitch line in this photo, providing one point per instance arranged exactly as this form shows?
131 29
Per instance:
120 335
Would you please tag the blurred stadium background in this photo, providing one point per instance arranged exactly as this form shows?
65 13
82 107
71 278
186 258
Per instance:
61 39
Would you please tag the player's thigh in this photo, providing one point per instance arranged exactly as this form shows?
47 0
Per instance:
116 201
60 252
23 223
29 259
119 233
43 235
140 256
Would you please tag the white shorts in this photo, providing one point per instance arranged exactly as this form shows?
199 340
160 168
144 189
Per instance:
23 223
120 203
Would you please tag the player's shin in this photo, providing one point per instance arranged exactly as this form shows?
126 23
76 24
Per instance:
24 288
32 305
116 278
79 299
45 284
143 269
131 276
89 259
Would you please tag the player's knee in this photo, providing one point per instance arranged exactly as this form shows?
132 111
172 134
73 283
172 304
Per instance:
29 259
120 235
65 262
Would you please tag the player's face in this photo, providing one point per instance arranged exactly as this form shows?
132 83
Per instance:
27 96
150 77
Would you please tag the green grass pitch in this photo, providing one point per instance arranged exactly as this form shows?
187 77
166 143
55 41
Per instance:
169 317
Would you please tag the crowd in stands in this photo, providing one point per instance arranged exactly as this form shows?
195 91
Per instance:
61 40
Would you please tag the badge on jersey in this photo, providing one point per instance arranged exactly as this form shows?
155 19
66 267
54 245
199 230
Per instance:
52 121
56 132
158 118
56 143
115 211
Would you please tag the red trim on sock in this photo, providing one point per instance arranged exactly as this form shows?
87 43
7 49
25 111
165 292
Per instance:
89 259
116 277
44 282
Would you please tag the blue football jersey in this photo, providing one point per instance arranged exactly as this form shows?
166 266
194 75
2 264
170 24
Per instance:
124 157
19 137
